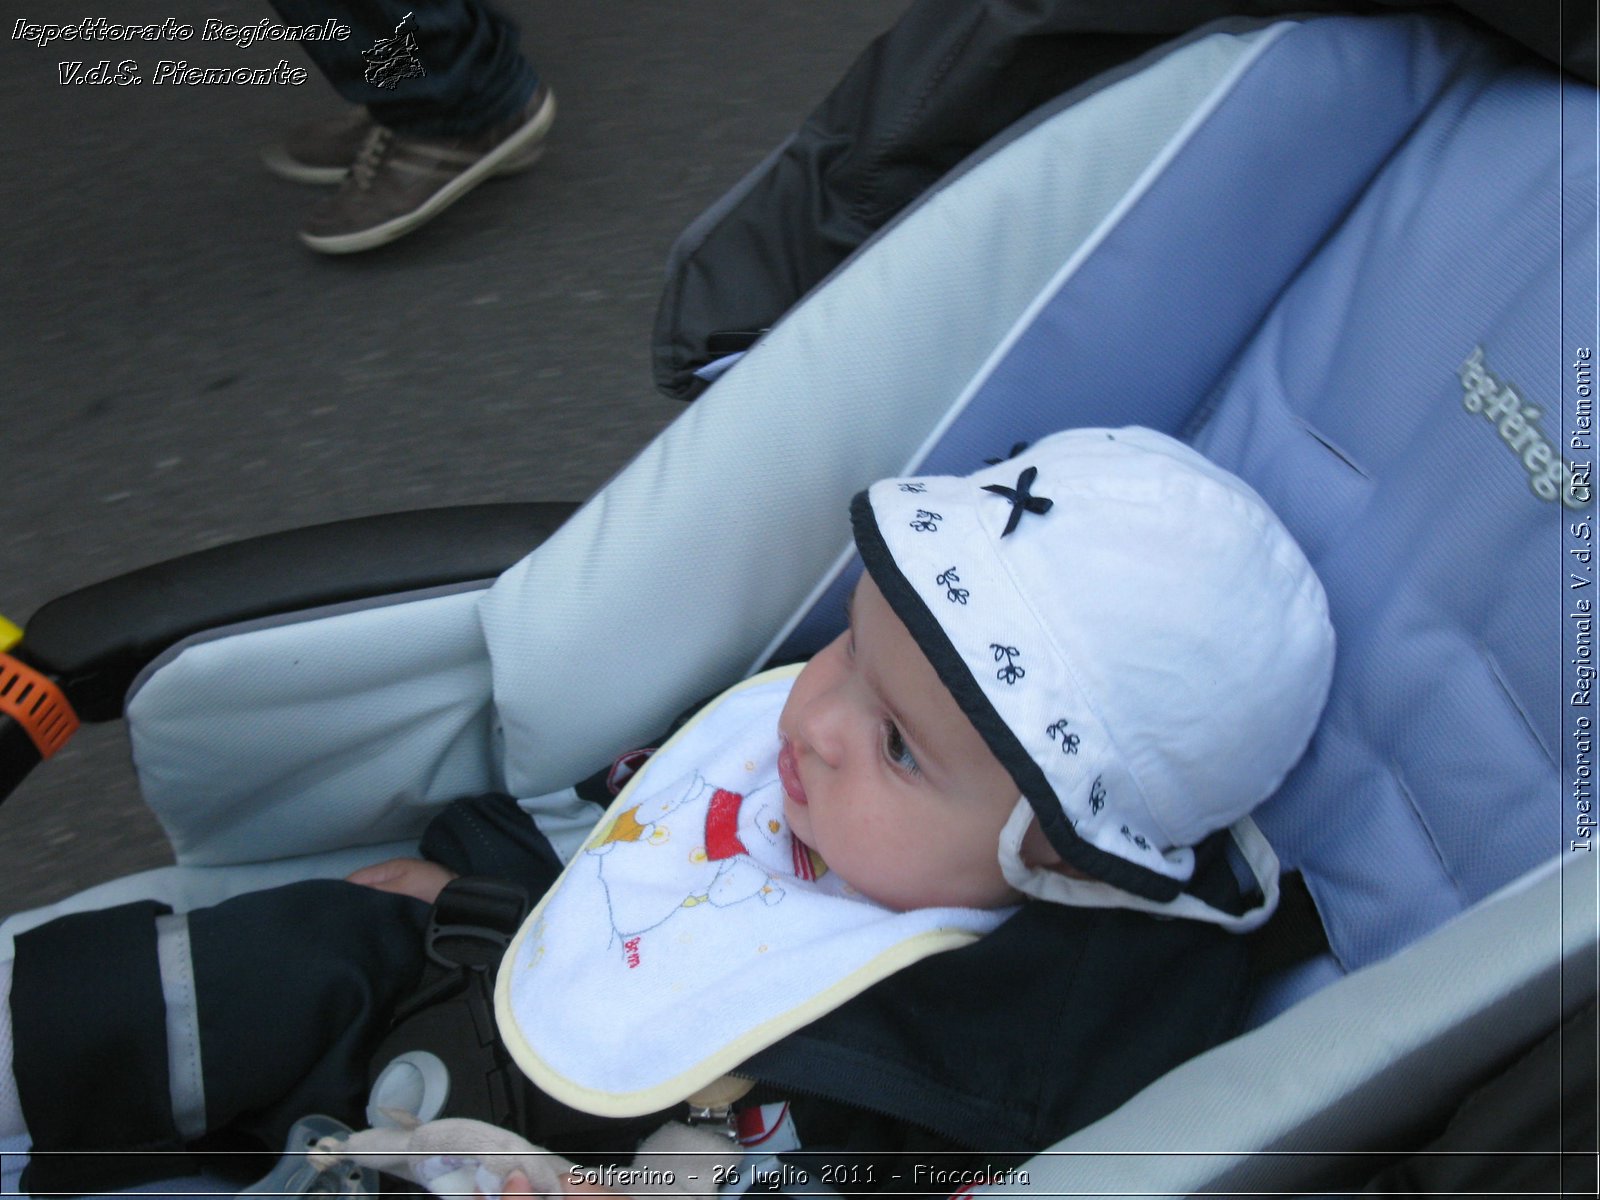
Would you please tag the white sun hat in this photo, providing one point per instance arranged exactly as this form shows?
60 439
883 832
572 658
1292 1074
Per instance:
1138 639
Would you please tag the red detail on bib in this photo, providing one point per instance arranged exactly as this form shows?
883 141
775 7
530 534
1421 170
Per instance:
722 826
804 868
769 1127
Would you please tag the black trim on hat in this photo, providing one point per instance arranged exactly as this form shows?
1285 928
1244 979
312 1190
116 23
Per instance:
969 695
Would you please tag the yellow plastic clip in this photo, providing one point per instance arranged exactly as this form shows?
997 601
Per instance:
10 635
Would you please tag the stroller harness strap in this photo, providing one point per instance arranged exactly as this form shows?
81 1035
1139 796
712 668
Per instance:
441 1054
693 930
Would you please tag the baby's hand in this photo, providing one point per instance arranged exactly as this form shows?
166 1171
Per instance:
415 877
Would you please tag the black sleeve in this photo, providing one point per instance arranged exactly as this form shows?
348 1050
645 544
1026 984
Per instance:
491 835
278 998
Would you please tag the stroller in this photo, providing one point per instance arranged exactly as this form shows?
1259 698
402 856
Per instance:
1349 259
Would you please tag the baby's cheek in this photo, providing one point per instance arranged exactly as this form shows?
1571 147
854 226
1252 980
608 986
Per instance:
892 848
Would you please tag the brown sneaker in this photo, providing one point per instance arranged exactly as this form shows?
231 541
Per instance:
319 151
397 183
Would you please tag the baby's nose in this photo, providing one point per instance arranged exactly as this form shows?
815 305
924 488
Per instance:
823 730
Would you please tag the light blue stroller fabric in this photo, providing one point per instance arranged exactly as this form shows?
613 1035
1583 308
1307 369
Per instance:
1352 407
1333 254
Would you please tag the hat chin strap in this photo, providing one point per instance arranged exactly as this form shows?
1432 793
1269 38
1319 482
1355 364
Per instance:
1046 884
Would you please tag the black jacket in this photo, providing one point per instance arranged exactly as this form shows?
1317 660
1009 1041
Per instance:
984 1054
994 1050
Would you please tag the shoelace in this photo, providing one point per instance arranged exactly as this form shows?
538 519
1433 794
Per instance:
370 156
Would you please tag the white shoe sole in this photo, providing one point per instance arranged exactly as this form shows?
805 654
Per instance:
278 160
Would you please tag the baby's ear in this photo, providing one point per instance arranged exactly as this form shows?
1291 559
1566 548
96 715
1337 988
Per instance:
1038 852
1036 848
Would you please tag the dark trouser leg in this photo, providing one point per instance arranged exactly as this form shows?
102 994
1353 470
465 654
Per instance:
474 75
138 1029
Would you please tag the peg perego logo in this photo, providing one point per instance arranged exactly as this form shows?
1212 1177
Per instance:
1549 475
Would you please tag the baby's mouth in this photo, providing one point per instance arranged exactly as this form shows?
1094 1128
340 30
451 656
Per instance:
789 773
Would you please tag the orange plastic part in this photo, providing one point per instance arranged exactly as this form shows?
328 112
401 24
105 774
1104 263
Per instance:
35 702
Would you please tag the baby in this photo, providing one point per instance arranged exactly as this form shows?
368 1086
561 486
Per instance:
1060 676
1092 657
1067 678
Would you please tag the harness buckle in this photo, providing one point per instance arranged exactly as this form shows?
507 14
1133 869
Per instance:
473 921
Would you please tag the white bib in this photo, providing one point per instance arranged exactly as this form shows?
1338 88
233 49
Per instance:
692 930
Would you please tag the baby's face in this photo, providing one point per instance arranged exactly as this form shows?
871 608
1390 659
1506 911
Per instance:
885 777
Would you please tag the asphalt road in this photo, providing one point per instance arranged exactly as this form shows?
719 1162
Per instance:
176 371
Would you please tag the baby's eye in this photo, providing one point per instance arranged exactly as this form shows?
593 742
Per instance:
896 751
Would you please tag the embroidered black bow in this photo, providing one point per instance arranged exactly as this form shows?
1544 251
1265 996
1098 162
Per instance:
1021 501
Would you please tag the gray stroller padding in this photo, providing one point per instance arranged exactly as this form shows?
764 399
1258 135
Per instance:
1351 260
